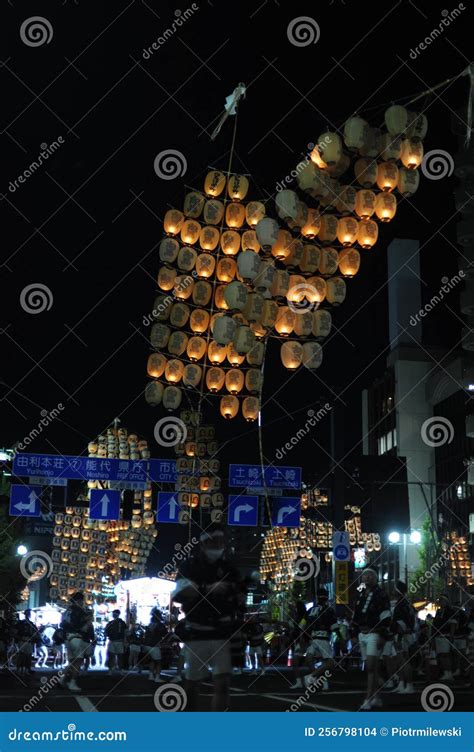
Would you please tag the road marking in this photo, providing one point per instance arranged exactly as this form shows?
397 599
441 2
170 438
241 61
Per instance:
85 704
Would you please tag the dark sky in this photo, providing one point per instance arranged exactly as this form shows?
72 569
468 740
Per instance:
87 223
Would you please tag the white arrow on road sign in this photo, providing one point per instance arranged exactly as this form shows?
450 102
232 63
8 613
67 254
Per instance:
28 507
242 508
283 512
105 501
174 506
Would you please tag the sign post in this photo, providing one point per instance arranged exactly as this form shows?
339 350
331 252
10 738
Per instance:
341 554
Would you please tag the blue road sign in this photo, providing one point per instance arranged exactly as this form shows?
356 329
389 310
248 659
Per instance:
286 511
340 546
168 507
163 471
243 510
104 504
274 477
25 501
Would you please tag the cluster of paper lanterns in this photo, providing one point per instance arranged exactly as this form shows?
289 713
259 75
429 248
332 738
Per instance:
460 566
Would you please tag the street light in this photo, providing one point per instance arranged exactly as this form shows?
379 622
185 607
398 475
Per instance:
394 537
413 537
22 550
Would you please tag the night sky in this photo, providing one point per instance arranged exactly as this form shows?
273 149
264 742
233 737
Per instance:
88 222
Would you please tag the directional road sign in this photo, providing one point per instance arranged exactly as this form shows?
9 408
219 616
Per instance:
341 549
286 511
25 501
168 507
243 510
272 477
104 505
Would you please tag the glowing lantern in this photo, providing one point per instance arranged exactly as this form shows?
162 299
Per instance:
171 398
230 242
269 314
387 176
173 221
267 233
202 292
193 204
396 119
312 225
390 147
159 336
349 262
209 238
237 187
291 354
315 289
355 130
214 183
412 154
322 322
286 203
190 231
280 284
166 278
226 270
254 212
192 375
229 406
217 352
285 321
310 260
169 248
161 307
199 320
196 348
312 355
213 212
367 233
385 206
253 380
255 356
235 296
305 175
346 200
234 358
258 329
372 143
296 254
347 230
174 371
417 126
244 340
177 343
340 167
328 231
183 287
253 310
235 215
234 381
365 204
330 148
219 299
249 241
263 280
186 259
248 264
303 324
179 314
250 408
328 261
224 330
215 379
408 181
296 289
336 291
154 393
282 247
205 265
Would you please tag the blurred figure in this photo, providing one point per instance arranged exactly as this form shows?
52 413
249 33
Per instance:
444 626
58 648
115 633
154 634
402 627
134 637
255 635
321 621
76 627
28 637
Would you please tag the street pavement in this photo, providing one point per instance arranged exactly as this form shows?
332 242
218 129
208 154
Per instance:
129 692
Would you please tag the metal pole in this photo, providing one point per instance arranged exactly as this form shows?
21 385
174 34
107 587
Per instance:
405 556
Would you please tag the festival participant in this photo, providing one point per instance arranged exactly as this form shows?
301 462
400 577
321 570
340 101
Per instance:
134 637
115 633
28 637
58 640
371 620
4 639
255 635
212 595
321 621
75 625
402 627
444 626
154 634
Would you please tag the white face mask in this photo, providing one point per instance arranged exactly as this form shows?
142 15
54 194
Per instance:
213 554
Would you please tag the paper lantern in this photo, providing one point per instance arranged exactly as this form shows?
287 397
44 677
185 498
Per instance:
295 256
303 324
192 375
235 295
190 231
234 358
347 228
196 348
205 265
367 233
349 262
396 119
154 393
365 204
214 183
346 200
291 354
244 340
177 343
171 398
209 238
235 215
159 336
328 230
219 299
229 406
280 284
312 225
330 148
230 242
183 287
258 329
215 379
253 380
248 264
179 314
253 310
390 147
330 197
217 352
296 289
263 280
186 259
162 306
256 354
226 270
282 247
372 143
213 212
193 204
199 321
417 127
224 330
173 221
234 381
385 206
250 408
408 181
202 292
254 212
412 153
237 187
269 314
249 241
340 167
322 322
174 371
166 278
328 261
316 289
355 130
267 233
285 321
306 173
286 203
169 249
366 172
311 257
335 291
387 176
312 355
